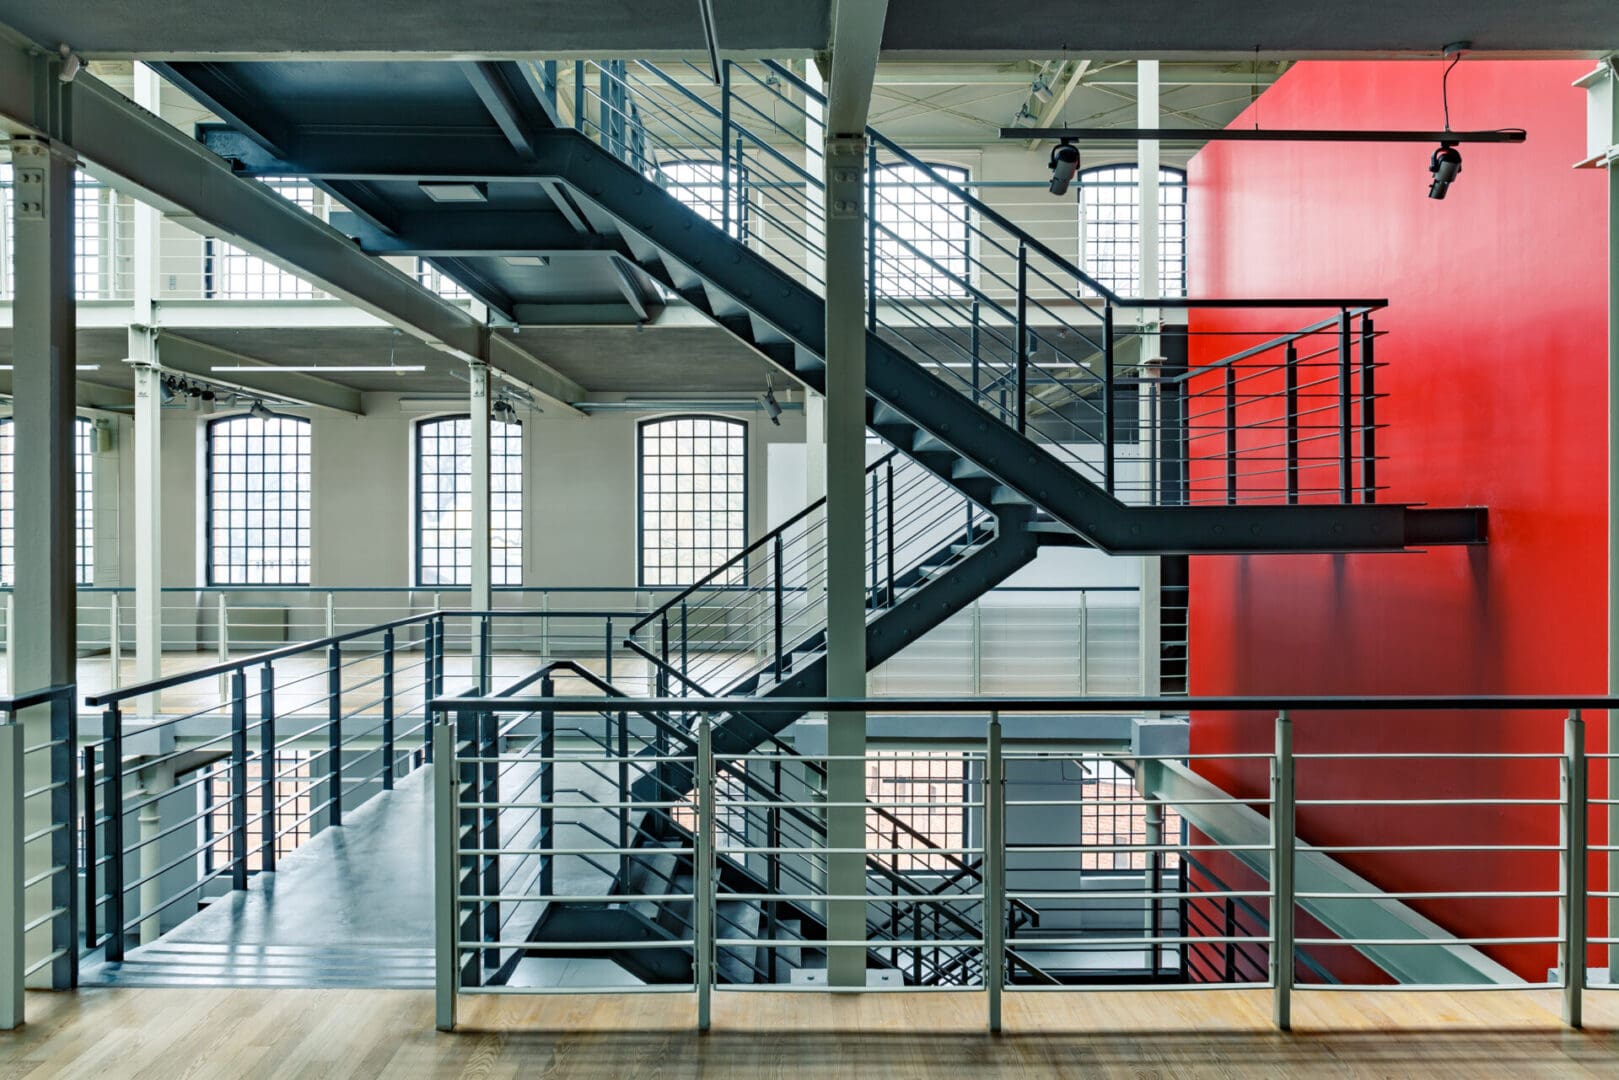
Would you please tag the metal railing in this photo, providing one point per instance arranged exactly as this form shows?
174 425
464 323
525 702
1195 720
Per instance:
1268 879
38 846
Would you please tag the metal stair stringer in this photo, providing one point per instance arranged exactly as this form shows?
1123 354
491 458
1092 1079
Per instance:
784 321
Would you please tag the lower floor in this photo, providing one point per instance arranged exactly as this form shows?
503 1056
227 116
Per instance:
139 1033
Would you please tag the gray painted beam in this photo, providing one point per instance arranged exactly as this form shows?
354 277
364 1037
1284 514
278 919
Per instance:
182 354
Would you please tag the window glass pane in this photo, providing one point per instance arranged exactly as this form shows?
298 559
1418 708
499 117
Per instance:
444 502
429 277
84 501
921 232
698 184
229 273
1110 228
693 457
258 498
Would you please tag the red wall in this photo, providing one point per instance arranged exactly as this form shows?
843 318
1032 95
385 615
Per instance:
1496 349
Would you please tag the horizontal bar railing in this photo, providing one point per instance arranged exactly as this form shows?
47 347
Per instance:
1143 895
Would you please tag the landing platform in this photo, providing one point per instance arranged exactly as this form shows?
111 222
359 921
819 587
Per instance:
1160 1034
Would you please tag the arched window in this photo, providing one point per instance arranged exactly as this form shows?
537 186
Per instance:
693 501
84 540
444 502
258 520
1110 228
921 232
699 185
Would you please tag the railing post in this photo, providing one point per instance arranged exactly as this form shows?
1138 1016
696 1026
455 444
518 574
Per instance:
548 786
1109 379
429 633
889 528
1346 474
65 843
703 874
439 643
663 671
488 789
685 645
485 643
1368 411
607 649
444 871
112 763
1282 825
1231 434
331 614
1571 954
1292 393
726 196
781 658
269 830
12 940
334 731
994 871
871 236
115 649
222 645
91 893
238 779
579 120
1023 338
388 709
976 347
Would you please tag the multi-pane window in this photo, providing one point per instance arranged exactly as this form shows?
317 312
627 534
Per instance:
430 278
1113 814
699 185
925 796
258 501
98 213
229 273
921 232
294 788
694 497
84 541
1110 228
444 502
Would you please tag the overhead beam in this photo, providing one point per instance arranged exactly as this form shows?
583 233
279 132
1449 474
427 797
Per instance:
472 232
1053 108
511 99
187 356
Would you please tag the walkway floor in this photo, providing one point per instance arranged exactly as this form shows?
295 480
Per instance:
158 1034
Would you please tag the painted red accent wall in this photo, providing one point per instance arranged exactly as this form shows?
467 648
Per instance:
1496 349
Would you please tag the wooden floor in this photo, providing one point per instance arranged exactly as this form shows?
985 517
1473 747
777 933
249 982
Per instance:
163 1034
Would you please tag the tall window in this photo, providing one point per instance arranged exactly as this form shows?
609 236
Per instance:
84 541
97 231
921 232
429 277
698 184
694 496
258 501
230 273
444 502
1110 228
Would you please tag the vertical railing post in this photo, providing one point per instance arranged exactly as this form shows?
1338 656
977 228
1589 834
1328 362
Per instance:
331 613
703 874
444 871
238 779
781 657
663 671
1231 434
13 943
1292 406
1283 828
1109 385
607 649
889 529
388 709
115 645
1368 410
1023 336
1571 960
222 643
994 871
871 236
112 763
488 795
726 194
334 732
439 643
269 831
429 632
92 894
1346 449
976 346
548 787
685 646
486 638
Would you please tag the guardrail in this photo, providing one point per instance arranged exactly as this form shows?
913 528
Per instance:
1230 893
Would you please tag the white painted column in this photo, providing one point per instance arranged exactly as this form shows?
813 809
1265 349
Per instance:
1147 160
846 547
145 256
481 596
148 515
43 638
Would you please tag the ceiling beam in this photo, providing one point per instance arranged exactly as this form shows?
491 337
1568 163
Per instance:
511 100
187 356
1053 108
473 232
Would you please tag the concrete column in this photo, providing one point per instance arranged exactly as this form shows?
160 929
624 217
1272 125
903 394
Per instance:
148 515
481 597
846 546
43 638
153 852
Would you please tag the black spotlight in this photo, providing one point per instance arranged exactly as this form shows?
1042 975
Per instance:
1064 166
1446 165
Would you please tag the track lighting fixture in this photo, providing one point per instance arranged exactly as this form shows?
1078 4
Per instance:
1064 166
259 412
1041 92
768 402
1445 165
71 64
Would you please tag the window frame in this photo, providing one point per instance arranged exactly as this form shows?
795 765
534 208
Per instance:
641 549
418 567
711 212
84 478
939 285
218 254
211 569
1169 176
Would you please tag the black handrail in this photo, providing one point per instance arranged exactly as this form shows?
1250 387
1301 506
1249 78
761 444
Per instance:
37 697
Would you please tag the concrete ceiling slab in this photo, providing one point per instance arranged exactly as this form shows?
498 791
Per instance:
657 360
914 29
